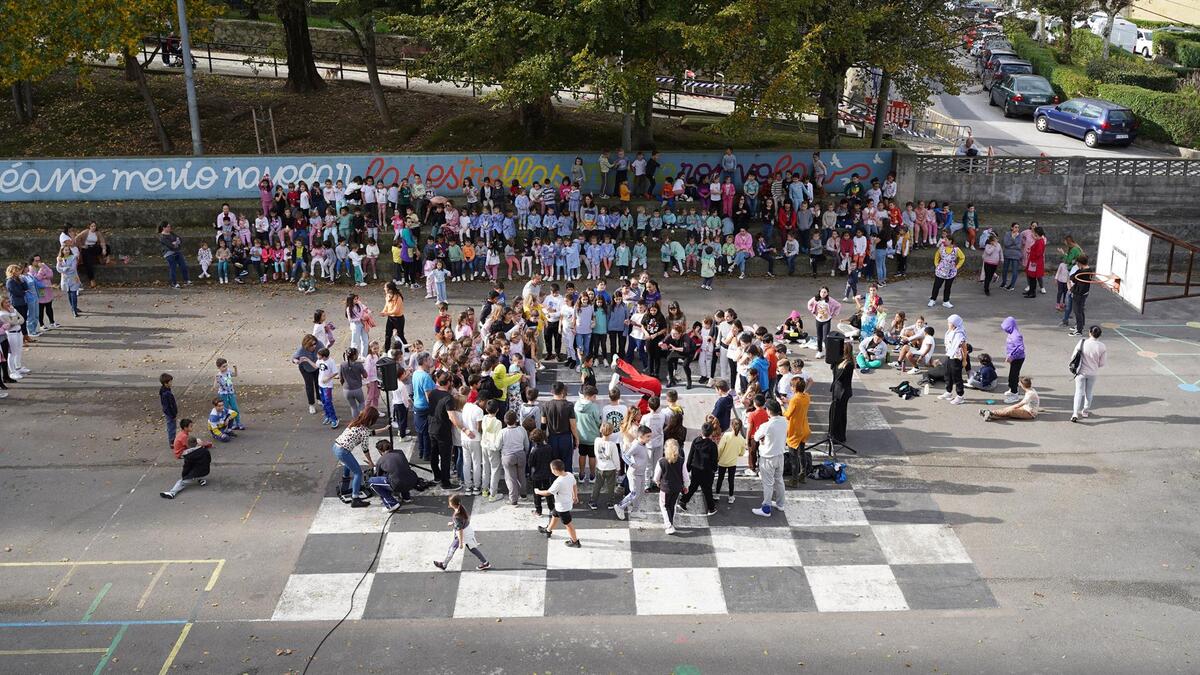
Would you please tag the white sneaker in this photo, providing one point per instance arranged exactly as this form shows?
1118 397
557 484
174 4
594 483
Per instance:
760 512
23 370
1043 290
671 530
946 396
1012 398
312 410
947 305
3 394
730 499
931 303
957 400
820 355
16 375
619 511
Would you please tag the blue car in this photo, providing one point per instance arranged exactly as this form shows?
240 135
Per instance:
1096 121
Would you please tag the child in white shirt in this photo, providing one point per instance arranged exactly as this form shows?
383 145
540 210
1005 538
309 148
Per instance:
607 452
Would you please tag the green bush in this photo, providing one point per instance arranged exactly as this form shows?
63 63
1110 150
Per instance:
1188 54
1167 44
1133 72
1165 117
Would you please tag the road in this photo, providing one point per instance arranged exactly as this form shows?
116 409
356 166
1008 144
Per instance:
1017 136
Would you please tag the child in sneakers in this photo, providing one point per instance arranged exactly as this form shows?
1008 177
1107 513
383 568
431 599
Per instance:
464 536
196 459
220 422
541 455
731 446
205 257
565 492
224 386
606 467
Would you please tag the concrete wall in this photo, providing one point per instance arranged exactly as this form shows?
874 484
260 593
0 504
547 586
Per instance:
1073 191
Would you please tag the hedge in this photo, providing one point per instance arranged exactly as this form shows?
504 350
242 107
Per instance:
1136 73
1068 80
1165 117
1187 54
1166 43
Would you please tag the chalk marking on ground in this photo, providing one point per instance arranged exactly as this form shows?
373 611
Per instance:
274 467
111 648
96 602
183 633
39 652
150 587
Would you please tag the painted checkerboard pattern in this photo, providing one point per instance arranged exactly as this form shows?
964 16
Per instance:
832 549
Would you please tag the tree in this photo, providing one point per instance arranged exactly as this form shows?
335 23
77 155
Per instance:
40 38
1065 11
359 18
1111 7
795 54
523 47
302 76
626 45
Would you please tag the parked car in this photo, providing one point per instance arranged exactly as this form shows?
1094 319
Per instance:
1022 94
1000 66
1144 44
1096 121
1124 33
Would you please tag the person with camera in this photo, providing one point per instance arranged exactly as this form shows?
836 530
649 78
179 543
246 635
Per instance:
393 476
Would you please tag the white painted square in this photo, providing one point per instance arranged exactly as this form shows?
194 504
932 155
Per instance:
315 597
415 552
920 544
488 516
606 549
679 590
649 515
823 508
334 517
754 547
501 593
855 588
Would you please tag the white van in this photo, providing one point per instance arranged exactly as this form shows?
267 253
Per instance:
1124 33
1144 46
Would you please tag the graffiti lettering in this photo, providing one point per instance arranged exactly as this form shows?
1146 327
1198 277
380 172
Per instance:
237 177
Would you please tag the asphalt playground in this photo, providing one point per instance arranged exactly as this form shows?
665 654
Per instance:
1080 538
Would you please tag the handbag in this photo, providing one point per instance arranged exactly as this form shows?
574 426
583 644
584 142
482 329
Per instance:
1076 358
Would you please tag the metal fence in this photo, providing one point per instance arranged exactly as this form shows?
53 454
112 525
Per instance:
1142 167
1055 166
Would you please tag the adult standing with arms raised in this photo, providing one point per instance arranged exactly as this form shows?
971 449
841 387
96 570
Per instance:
393 313
422 384
1092 355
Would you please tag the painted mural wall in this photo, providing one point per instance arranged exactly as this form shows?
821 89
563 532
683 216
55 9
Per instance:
233 177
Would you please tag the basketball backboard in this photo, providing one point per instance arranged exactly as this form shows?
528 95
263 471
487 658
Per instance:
1123 256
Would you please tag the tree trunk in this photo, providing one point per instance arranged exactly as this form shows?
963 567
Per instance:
1107 34
133 68
252 10
882 99
1068 31
302 76
827 118
535 117
365 41
642 133
22 100
626 128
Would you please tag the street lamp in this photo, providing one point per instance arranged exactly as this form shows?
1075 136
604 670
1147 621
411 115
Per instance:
188 77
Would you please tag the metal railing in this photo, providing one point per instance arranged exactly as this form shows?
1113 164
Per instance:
1142 167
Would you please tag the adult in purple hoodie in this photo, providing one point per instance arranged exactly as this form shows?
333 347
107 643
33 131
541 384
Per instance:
1014 354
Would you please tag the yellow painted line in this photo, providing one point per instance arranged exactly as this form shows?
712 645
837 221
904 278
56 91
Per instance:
38 652
212 581
187 628
62 582
278 459
153 581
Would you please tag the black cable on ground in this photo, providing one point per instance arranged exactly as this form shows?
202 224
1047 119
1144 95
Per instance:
374 559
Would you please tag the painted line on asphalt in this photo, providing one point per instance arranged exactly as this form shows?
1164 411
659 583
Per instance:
111 648
183 633
96 602
39 652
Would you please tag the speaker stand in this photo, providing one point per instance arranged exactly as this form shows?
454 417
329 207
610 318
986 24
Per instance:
830 447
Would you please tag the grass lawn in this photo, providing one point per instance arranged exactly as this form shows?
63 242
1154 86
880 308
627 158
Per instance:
103 115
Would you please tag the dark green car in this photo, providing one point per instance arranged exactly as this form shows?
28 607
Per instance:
1021 94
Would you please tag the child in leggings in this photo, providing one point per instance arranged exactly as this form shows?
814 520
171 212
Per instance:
731 447
464 536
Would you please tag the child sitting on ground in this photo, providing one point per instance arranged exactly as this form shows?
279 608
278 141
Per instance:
983 379
792 329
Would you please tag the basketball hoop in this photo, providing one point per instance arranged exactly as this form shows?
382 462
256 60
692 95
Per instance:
1110 281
